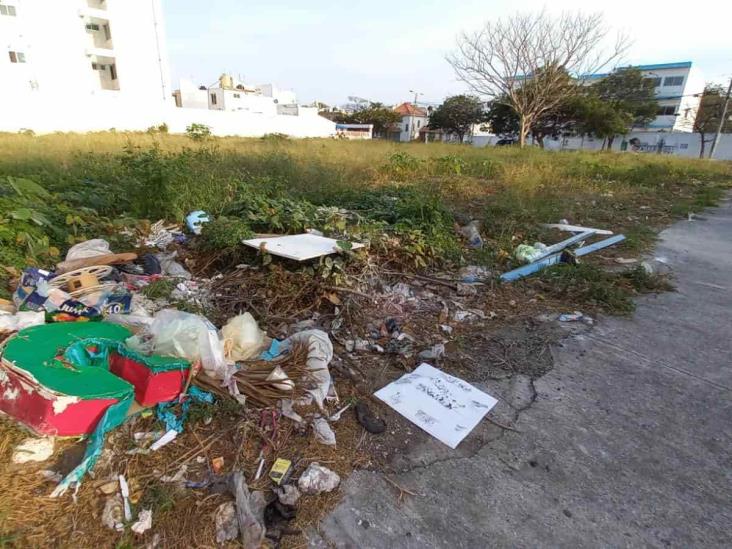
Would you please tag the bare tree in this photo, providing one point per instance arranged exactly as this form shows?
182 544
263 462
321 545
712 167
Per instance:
525 59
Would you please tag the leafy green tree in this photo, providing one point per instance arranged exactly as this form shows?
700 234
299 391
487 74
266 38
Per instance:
627 97
457 115
501 119
599 118
708 115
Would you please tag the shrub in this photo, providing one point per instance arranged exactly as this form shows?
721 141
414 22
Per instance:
198 132
225 233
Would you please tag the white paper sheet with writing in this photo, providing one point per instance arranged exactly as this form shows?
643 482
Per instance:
445 406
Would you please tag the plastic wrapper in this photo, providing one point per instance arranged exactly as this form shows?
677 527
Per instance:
189 336
317 479
243 338
88 248
320 353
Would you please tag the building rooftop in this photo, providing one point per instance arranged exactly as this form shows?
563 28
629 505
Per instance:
407 109
653 67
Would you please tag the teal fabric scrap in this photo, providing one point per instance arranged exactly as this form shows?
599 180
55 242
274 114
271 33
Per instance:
113 417
164 411
273 352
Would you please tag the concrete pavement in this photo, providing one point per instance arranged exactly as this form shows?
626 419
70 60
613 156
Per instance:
627 442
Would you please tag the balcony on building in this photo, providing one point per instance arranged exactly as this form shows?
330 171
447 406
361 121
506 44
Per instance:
106 69
99 35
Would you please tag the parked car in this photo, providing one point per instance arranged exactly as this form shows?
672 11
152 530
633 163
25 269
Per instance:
506 141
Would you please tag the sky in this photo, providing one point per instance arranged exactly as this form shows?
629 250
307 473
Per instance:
380 50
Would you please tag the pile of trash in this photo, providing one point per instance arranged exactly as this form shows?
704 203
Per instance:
134 334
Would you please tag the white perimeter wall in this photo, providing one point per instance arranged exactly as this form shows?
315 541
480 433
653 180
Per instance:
678 143
106 113
245 124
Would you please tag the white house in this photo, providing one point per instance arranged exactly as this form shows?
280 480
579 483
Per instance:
80 65
414 118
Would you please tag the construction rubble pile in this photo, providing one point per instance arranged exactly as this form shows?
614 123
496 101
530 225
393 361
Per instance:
92 351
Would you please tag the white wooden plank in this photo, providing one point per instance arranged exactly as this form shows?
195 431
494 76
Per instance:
574 228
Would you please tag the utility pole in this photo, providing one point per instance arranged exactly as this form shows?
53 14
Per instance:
721 121
416 96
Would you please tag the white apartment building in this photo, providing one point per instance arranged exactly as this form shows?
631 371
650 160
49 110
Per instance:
82 65
93 65
678 87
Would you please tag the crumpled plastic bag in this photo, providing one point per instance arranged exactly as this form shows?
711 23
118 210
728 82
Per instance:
323 433
33 449
528 254
88 248
320 353
189 336
170 267
20 320
226 521
242 338
317 479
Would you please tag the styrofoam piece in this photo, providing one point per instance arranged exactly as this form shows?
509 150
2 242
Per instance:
299 247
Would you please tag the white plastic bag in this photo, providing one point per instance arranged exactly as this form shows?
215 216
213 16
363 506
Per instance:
317 479
88 248
189 336
20 320
243 338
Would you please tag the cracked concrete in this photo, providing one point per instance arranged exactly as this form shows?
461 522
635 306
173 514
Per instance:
625 443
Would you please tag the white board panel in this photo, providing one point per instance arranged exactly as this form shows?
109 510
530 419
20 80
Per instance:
299 246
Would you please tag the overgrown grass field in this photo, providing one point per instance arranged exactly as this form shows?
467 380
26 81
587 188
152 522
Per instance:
405 199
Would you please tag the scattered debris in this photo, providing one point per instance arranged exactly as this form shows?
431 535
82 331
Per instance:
167 438
471 232
474 273
435 352
33 449
368 420
20 320
144 522
577 316
280 471
124 491
323 432
113 514
540 256
288 494
217 464
574 228
528 254
317 479
249 511
656 266
196 220
227 522
445 406
242 338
